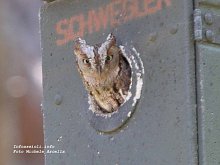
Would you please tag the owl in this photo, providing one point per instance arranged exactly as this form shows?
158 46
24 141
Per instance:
105 72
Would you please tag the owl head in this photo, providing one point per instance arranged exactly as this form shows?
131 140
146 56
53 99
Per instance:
98 60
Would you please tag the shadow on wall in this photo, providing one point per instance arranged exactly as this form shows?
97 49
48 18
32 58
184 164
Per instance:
20 88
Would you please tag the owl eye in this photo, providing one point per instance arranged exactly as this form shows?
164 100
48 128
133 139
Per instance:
86 61
109 57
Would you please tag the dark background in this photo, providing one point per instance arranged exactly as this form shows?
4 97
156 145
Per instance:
21 83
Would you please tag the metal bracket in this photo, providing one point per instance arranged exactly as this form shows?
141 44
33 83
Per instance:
206 26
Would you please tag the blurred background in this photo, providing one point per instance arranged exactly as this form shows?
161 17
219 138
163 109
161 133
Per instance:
20 81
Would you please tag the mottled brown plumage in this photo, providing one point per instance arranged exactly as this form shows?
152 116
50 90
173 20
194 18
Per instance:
105 72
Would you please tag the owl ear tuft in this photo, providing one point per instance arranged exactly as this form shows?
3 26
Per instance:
78 43
110 40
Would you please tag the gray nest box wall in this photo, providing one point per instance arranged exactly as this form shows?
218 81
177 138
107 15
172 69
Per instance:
161 129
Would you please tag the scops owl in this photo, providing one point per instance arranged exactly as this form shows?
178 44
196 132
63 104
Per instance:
105 72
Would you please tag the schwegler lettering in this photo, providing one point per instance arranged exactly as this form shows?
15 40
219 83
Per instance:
112 14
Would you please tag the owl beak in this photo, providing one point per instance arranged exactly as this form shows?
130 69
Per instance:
99 70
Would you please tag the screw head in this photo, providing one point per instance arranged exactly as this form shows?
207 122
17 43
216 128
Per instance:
58 99
174 29
209 35
153 37
208 18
